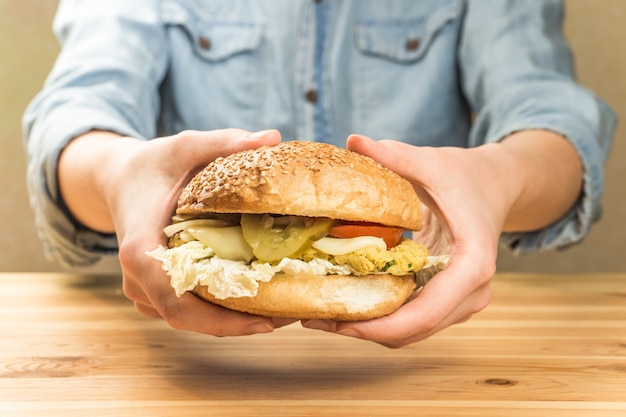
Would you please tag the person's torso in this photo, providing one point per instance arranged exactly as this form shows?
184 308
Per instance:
316 70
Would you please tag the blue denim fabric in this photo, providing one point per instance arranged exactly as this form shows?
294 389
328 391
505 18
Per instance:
427 72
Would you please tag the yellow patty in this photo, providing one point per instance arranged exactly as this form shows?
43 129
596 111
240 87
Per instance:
407 257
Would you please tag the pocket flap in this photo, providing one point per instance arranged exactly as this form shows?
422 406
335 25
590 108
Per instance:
403 40
213 39
220 40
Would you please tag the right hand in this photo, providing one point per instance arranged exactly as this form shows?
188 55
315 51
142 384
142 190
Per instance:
133 187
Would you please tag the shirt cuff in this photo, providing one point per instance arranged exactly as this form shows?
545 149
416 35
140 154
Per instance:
65 240
574 225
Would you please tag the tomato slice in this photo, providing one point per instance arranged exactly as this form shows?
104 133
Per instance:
391 235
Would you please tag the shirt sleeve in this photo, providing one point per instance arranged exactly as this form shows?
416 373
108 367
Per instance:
517 73
106 78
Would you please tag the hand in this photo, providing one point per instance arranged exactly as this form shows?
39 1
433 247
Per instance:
525 182
464 215
136 184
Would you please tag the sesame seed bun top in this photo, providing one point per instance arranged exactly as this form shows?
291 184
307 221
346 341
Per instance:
304 179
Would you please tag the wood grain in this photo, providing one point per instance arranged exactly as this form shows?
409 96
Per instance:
552 345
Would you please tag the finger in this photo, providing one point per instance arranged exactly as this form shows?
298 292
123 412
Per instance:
436 237
397 157
420 165
209 321
278 322
150 287
191 314
180 157
194 314
133 290
370 330
147 310
468 307
451 296
410 162
198 148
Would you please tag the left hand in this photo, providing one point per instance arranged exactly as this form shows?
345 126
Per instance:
466 200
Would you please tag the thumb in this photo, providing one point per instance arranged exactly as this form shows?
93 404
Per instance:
199 148
235 140
391 154
410 162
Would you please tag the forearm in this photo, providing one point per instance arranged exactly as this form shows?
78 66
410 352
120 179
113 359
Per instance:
546 174
81 170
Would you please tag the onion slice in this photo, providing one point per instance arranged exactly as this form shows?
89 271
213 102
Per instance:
171 229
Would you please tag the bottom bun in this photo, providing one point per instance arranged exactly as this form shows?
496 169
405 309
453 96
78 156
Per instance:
331 297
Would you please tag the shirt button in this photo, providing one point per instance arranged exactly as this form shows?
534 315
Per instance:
311 96
204 42
412 44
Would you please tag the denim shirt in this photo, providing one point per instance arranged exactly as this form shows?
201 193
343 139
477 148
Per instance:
427 72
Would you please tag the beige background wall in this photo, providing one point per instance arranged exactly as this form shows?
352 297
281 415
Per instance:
595 29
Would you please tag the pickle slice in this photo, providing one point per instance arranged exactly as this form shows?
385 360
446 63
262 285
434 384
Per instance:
275 238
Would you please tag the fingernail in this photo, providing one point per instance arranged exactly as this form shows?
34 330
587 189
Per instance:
350 333
316 325
259 328
260 133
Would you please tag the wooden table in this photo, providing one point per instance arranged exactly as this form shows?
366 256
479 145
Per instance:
548 345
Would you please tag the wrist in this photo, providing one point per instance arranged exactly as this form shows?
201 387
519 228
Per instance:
503 180
547 178
83 172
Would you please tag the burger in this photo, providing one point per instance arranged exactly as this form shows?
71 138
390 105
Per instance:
301 230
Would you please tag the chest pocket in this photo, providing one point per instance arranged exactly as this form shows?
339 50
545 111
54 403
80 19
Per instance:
215 68
405 73
216 41
214 38
404 41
